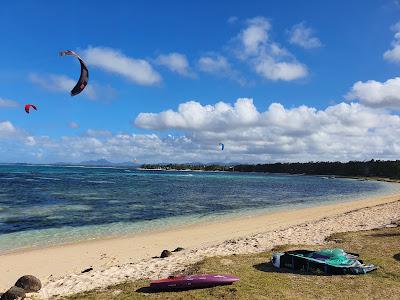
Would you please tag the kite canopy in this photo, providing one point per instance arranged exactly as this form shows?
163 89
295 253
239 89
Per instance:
28 106
84 78
222 146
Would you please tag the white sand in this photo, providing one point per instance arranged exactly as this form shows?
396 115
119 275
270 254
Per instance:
116 260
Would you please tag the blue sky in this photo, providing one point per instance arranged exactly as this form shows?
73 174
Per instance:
152 56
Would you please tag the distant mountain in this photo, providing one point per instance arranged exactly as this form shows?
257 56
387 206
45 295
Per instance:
198 163
98 162
105 163
101 163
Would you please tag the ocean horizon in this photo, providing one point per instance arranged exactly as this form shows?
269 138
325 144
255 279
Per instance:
42 205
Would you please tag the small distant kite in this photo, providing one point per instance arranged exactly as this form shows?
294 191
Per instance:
84 78
222 146
28 106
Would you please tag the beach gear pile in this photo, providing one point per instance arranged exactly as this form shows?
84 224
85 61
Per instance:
328 261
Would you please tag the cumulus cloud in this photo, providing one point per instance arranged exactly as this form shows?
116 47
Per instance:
114 147
175 62
340 132
138 71
64 84
302 36
97 133
255 36
7 129
194 116
393 54
377 94
7 103
346 131
214 64
287 71
267 58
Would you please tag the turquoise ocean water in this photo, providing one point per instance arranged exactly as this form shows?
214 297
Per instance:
47 205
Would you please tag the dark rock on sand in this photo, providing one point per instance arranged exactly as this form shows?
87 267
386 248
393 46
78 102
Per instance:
87 270
14 293
29 283
178 249
165 253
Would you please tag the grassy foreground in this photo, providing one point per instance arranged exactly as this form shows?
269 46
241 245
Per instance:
259 280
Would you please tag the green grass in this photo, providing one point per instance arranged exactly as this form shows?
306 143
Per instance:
259 280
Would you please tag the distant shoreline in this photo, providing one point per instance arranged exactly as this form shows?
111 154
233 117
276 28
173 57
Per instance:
365 169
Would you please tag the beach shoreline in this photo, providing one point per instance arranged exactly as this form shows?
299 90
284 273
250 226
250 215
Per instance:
196 221
176 223
56 264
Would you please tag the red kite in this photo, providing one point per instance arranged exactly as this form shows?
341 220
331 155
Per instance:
28 106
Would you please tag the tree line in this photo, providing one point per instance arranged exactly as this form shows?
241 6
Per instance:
372 168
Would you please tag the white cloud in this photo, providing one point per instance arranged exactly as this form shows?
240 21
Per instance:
393 54
194 116
175 62
214 64
345 131
113 147
73 125
377 94
340 132
267 58
138 71
7 129
7 103
10 132
286 71
255 36
223 118
302 36
97 133
63 83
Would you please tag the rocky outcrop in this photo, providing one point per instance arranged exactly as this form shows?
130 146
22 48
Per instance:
165 253
14 293
178 249
29 283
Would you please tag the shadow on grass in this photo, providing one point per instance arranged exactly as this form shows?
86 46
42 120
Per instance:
146 290
397 256
149 290
269 268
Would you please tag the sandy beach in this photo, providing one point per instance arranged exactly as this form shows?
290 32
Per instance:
118 259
